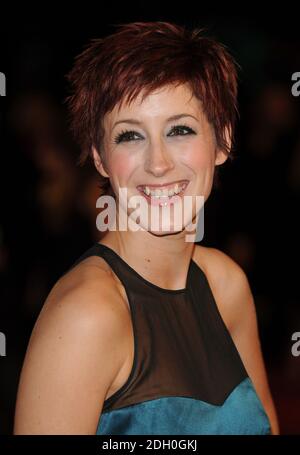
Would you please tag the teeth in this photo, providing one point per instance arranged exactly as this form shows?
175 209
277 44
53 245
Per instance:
164 192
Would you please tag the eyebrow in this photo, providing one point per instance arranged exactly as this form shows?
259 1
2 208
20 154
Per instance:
137 122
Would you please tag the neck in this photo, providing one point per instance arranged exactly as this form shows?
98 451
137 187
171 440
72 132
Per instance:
162 260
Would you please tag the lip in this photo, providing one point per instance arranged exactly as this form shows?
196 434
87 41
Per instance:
164 200
162 185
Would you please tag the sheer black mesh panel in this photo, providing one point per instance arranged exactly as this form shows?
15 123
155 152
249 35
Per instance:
181 344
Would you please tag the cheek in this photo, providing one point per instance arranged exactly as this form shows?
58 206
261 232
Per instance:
121 166
200 158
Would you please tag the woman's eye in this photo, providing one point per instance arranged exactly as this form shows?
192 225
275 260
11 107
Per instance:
129 136
181 130
126 136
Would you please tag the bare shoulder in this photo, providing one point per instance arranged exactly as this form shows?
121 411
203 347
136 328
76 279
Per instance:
83 285
228 282
218 264
86 295
234 299
73 355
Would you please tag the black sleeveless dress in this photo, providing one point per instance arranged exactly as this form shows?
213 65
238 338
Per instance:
187 377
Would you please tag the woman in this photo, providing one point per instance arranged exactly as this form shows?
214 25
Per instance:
148 333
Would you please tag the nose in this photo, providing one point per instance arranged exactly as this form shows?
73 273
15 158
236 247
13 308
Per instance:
158 160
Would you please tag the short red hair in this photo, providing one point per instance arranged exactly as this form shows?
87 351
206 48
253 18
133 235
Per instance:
145 56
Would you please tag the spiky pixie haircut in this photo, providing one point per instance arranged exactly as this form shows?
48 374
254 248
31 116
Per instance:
142 57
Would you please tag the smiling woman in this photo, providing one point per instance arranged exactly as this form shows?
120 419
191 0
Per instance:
141 157
148 333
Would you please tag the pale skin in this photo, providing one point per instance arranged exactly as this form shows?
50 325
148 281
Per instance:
81 348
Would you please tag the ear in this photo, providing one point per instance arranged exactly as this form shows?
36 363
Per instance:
221 155
98 163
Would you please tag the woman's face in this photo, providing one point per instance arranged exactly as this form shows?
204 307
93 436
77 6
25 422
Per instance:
156 149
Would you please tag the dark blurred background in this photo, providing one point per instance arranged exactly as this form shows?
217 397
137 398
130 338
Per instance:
47 216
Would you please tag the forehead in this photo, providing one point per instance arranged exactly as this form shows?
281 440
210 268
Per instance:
161 103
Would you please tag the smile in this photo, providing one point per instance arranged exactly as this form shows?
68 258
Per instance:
163 194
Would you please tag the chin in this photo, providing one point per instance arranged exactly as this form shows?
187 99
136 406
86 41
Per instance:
163 228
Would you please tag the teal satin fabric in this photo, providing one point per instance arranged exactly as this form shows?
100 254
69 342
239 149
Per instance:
241 414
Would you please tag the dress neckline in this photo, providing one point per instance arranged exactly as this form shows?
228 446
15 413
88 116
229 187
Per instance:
141 278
